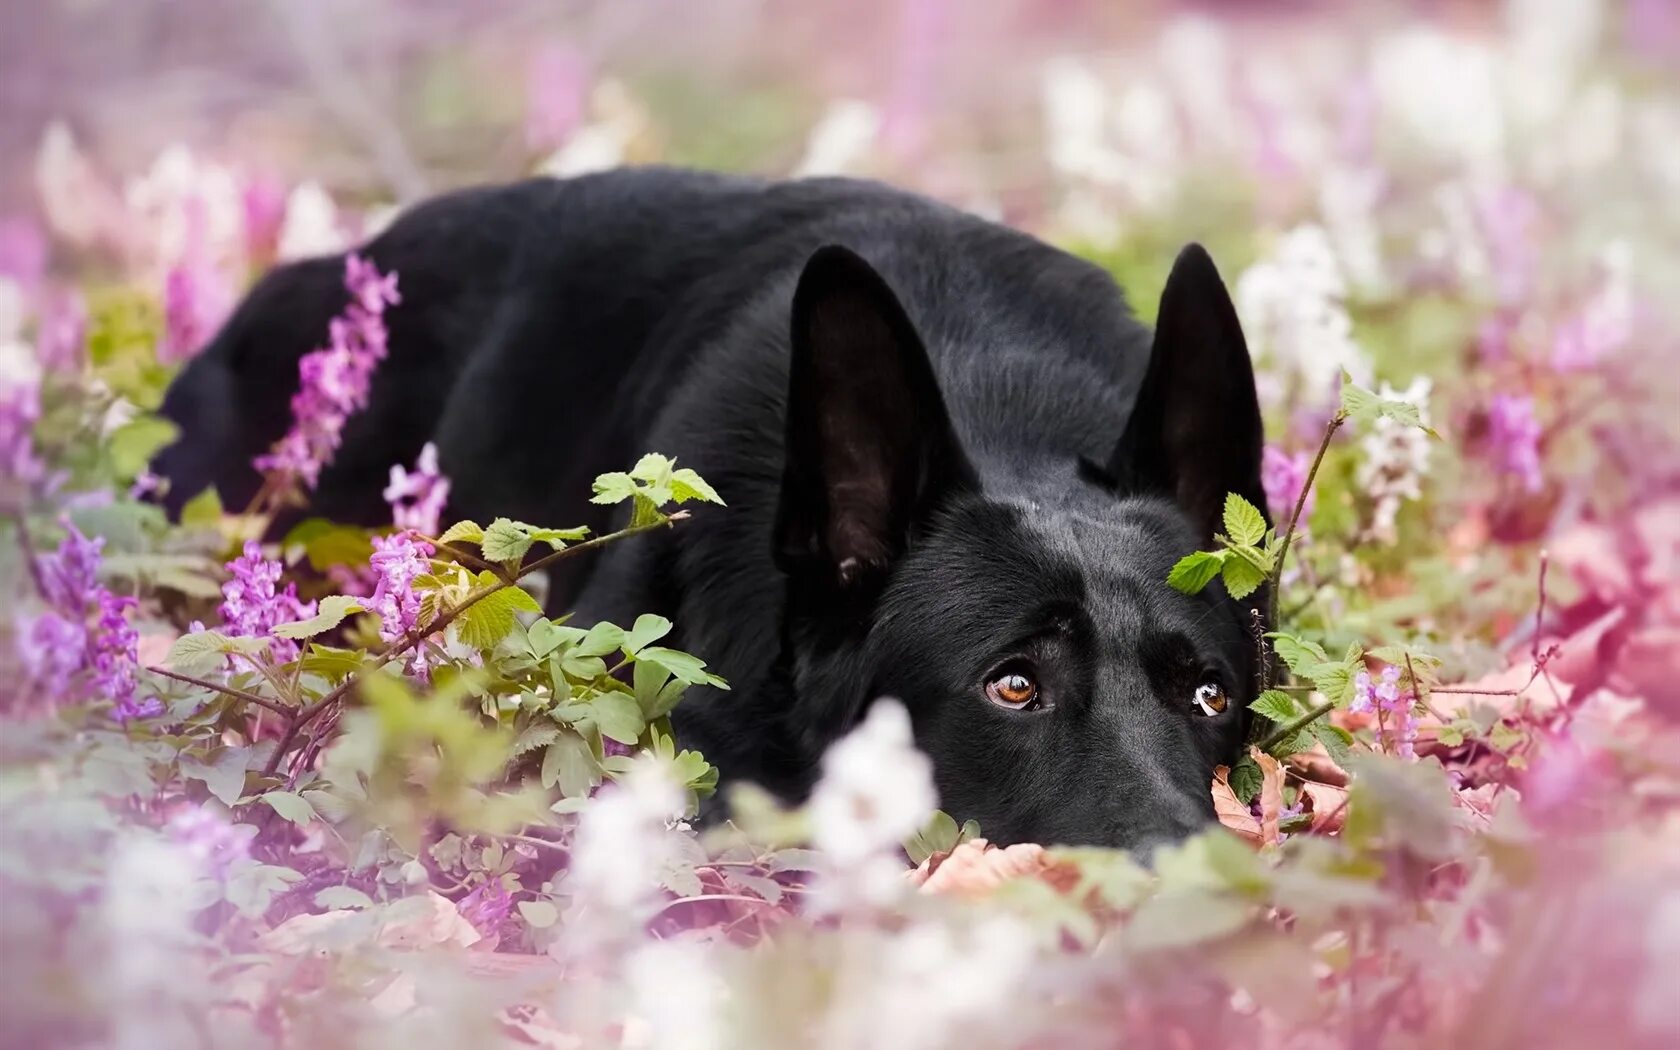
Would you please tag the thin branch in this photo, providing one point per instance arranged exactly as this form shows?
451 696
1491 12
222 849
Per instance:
1284 732
1330 429
413 638
227 690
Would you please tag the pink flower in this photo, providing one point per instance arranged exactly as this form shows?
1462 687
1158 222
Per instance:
263 201
1514 439
1283 476
417 499
399 559
334 381
209 839
252 604
556 93
61 643
20 410
196 299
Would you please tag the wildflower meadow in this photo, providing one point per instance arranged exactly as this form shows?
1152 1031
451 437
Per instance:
272 780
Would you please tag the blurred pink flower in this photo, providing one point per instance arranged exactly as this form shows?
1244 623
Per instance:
1284 475
264 201
23 251
20 410
1514 439
1509 218
556 95
196 299
61 642
209 839
487 907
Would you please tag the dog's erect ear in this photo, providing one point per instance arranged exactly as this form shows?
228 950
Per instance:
1195 433
870 449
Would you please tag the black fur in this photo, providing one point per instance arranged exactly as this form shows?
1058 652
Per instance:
924 426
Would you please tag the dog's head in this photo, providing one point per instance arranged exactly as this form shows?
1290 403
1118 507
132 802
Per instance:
1064 692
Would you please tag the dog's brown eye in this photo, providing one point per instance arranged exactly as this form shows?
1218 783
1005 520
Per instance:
1210 698
1013 688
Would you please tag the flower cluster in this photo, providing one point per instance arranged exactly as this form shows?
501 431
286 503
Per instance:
876 788
417 498
1284 475
210 840
1384 698
1514 439
253 605
1293 314
334 381
487 907
398 560
62 641
1395 458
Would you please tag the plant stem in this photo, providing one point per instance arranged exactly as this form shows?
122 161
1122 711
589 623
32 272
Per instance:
227 690
408 641
1330 429
1284 732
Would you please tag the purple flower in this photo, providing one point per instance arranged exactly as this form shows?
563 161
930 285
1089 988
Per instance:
61 643
253 605
20 409
1514 439
556 93
1399 726
487 907
1283 476
334 380
399 559
1363 699
417 498
209 839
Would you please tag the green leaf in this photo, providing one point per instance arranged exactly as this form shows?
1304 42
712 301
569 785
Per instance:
506 540
543 636
557 538
1338 742
1182 920
203 510
570 764
653 470
327 543
683 667
1299 655
332 611
1195 571
1245 779
204 652
1241 577
603 638
332 663
486 623
647 630
339 898
1300 740
537 734
224 775
1245 526
132 445
687 485
1278 706
463 532
617 715
293 807
940 835
540 914
613 488
1363 405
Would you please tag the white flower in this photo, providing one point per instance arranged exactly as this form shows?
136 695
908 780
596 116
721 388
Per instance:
311 224
624 837
1395 458
677 997
186 209
876 788
840 140
931 984
1657 1008
1292 310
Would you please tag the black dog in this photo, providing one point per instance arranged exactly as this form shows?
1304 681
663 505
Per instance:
957 473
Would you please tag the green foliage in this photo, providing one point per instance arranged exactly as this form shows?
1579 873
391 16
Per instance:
942 834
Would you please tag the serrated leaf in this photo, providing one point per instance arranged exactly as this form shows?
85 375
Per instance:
687 485
647 630
1297 654
540 914
1245 779
200 653
293 807
653 469
1241 577
506 540
1277 705
613 488
1195 571
557 538
617 715
463 532
487 622
331 612
1245 526
1338 742
132 445
535 735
